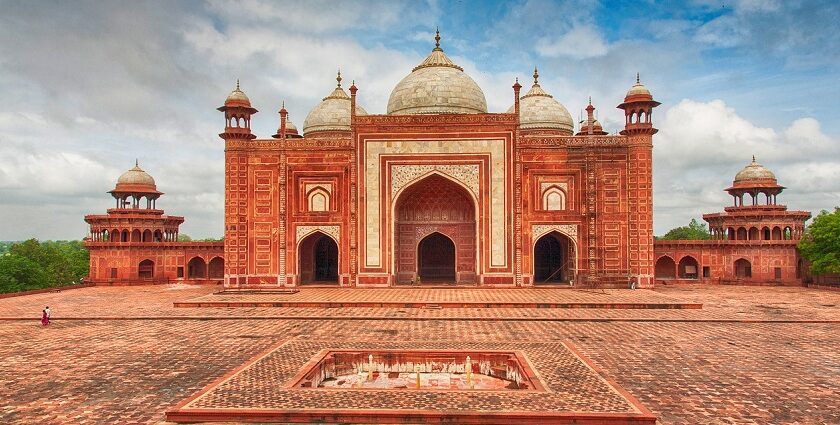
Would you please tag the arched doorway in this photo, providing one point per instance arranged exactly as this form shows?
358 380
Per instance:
433 205
554 259
666 268
743 269
318 259
436 259
196 268
688 268
146 269
216 268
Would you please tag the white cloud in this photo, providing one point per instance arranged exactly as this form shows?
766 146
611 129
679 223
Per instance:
702 145
582 41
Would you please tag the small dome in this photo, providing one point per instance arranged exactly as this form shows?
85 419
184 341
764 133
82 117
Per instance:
638 89
538 109
332 114
291 130
238 98
754 171
136 177
437 86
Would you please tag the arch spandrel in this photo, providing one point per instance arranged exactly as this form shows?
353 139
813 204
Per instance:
333 231
403 176
569 230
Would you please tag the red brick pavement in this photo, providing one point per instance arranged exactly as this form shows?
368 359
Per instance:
132 371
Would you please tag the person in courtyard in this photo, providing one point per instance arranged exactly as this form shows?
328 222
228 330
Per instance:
633 282
45 317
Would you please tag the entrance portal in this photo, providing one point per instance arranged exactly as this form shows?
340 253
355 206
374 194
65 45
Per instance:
423 213
436 259
553 259
318 259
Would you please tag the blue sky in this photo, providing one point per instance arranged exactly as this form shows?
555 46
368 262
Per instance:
90 86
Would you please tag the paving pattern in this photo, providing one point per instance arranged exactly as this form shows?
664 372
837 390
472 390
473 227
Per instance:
763 360
265 384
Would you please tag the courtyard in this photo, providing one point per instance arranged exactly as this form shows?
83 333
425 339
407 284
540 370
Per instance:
129 355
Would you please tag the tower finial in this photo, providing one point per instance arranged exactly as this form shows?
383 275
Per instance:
637 78
536 77
437 37
237 84
338 77
590 100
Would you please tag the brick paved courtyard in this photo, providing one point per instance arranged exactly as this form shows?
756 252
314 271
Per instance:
751 355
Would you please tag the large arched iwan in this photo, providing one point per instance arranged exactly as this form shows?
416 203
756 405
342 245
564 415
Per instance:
434 204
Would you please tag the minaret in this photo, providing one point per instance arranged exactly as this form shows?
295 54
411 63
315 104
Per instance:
638 127
237 134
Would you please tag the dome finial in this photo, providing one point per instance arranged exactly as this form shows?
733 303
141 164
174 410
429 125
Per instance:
753 159
637 78
338 78
590 100
137 161
437 39
536 77
237 84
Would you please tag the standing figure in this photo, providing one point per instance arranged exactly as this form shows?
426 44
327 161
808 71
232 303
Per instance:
45 317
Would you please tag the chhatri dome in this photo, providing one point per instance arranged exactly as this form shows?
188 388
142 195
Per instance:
754 171
638 91
437 86
332 114
238 98
538 109
136 178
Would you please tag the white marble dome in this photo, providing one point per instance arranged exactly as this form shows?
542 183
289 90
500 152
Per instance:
332 114
538 109
437 86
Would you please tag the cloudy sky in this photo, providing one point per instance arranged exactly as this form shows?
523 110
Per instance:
88 87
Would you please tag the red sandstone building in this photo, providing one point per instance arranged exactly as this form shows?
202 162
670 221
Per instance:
134 242
753 241
438 190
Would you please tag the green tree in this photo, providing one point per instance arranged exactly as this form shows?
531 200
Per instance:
694 231
183 237
820 244
20 274
35 265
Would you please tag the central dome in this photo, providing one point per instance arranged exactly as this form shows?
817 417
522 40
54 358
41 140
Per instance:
437 86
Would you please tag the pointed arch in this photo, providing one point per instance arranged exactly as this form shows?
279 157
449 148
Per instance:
688 268
216 268
665 268
742 268
434 202
196 268
318 259
146 269
553 199
318 199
